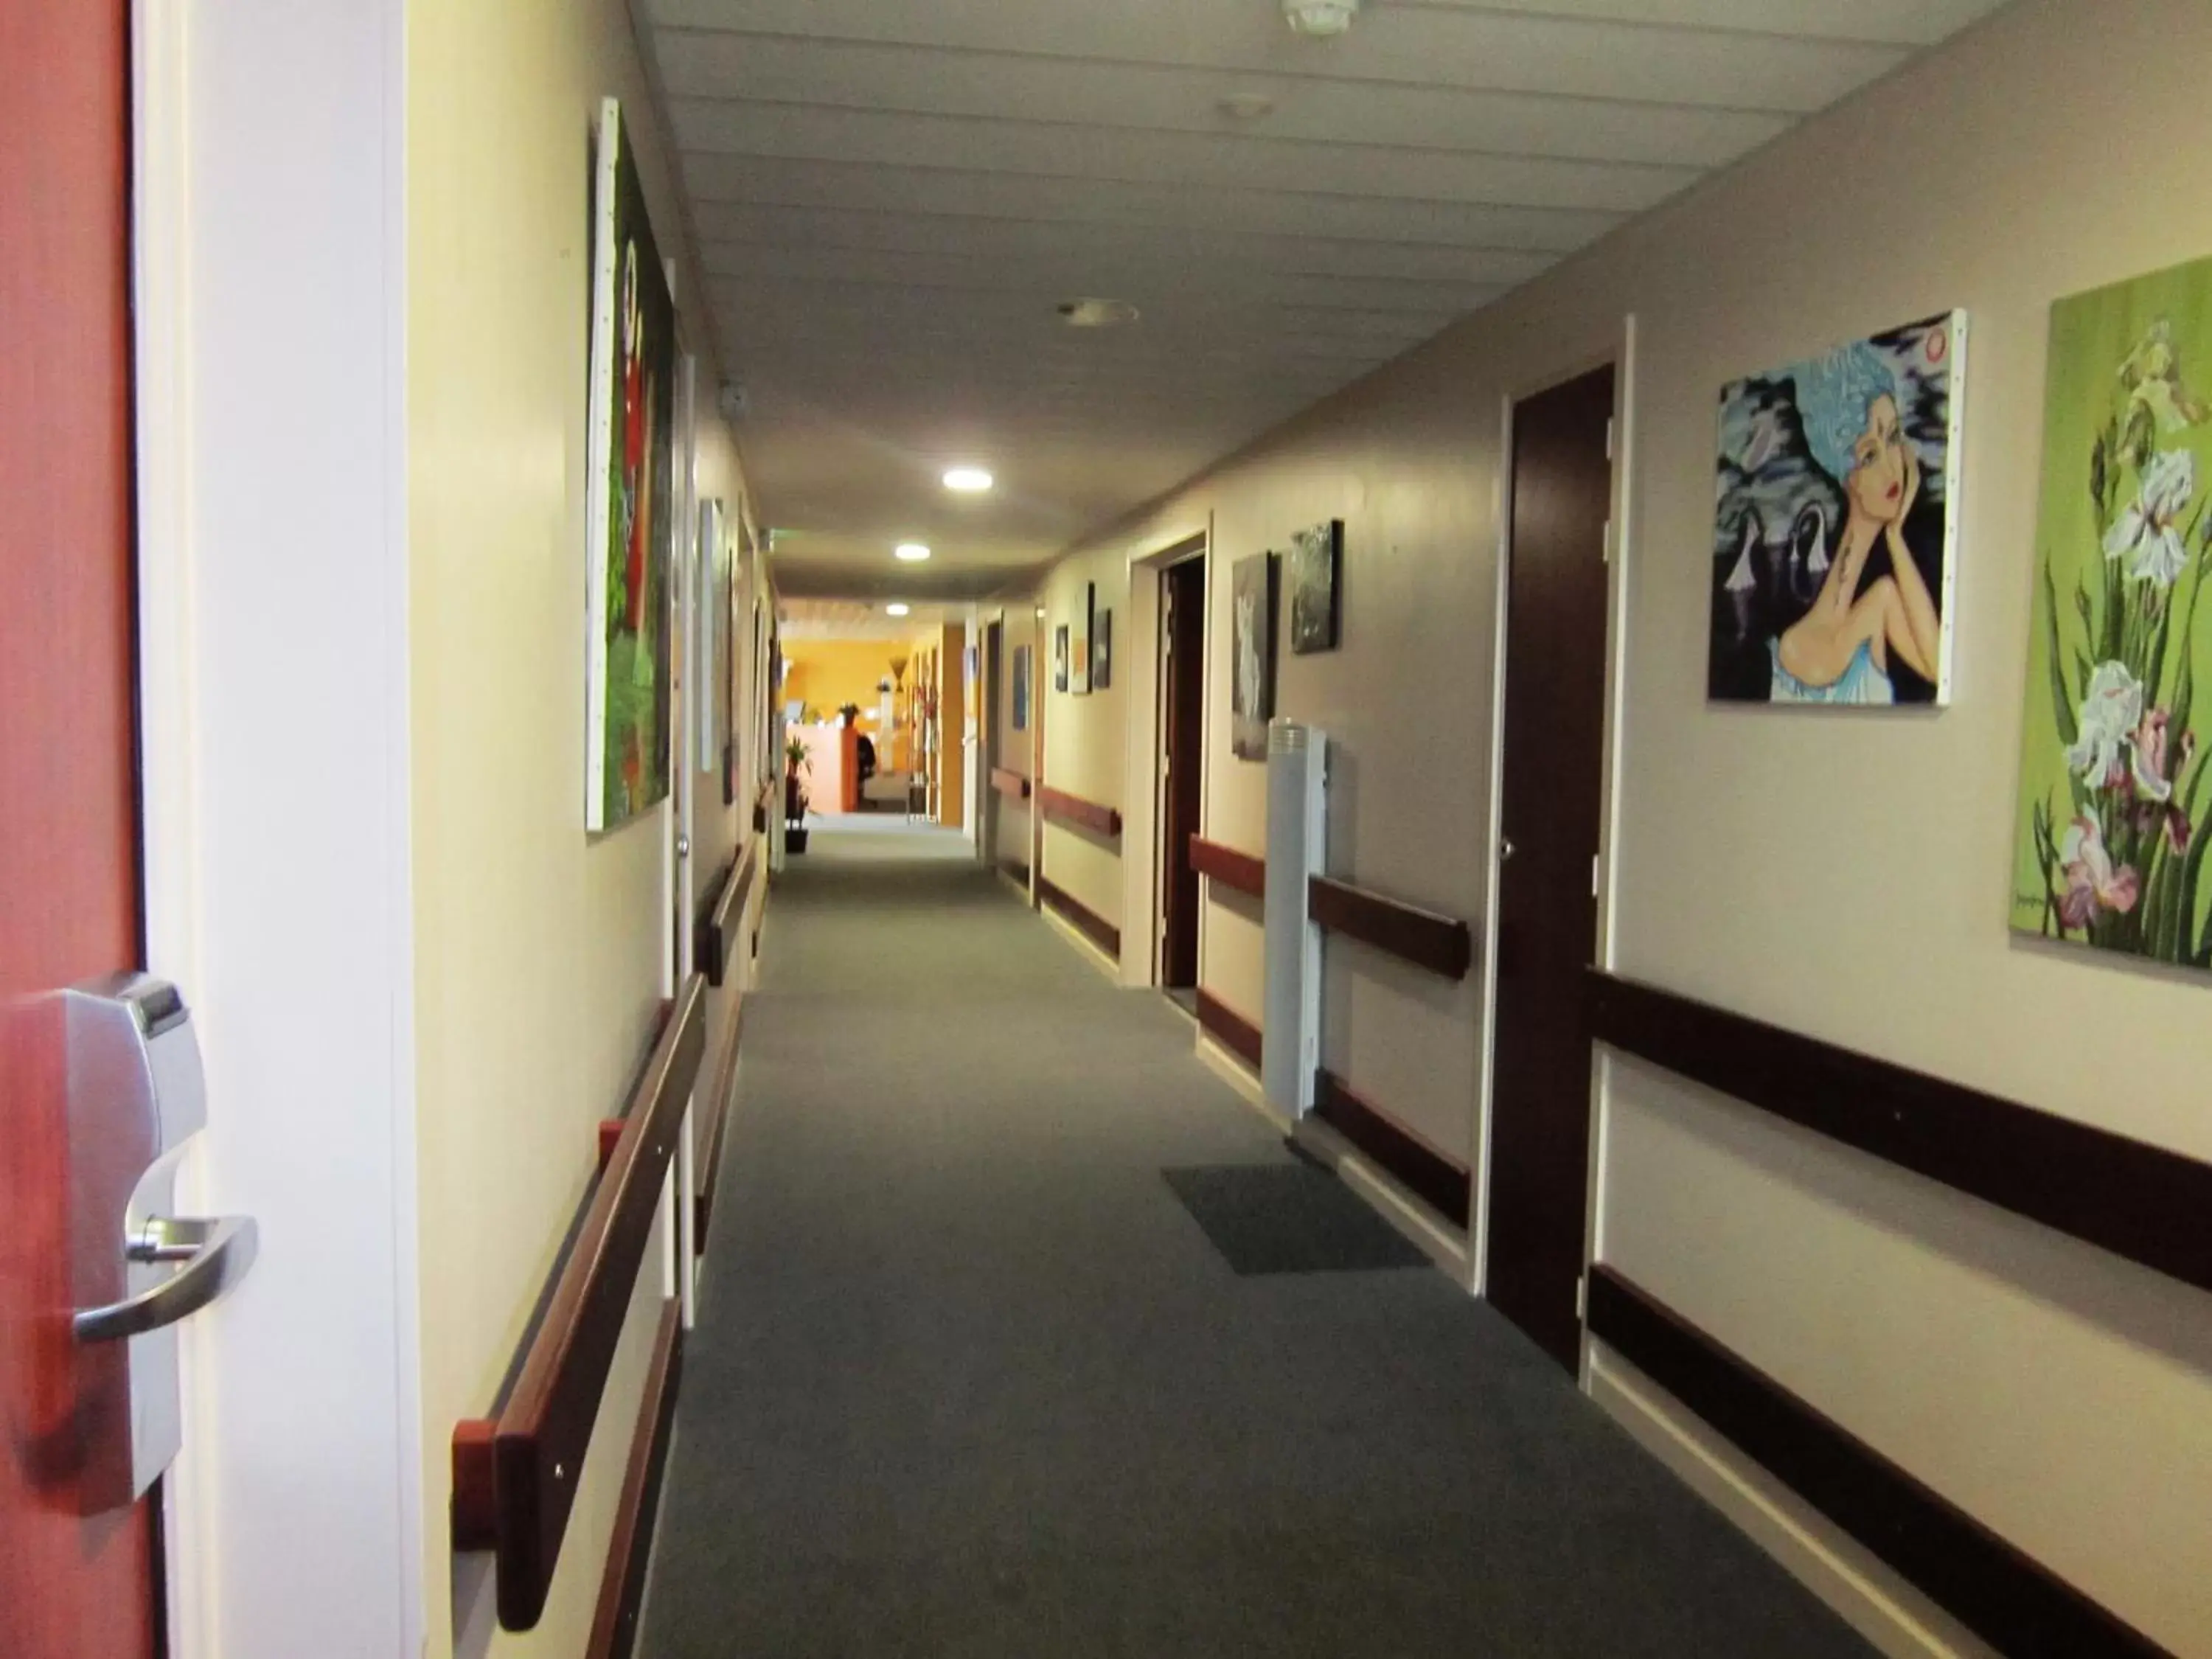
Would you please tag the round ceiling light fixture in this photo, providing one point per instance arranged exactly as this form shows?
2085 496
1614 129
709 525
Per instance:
1321 17
968 480
897 610
911 552
1096 313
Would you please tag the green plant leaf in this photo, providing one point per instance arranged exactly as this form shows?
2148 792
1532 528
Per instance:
2062 705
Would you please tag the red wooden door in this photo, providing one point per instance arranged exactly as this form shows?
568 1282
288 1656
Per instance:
1554 767
72 1586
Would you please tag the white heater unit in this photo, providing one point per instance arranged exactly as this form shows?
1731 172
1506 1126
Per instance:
1297 846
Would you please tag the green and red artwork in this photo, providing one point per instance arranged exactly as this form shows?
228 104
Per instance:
2111 838
630 509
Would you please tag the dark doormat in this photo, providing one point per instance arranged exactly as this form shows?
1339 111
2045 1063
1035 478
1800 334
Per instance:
1289 1219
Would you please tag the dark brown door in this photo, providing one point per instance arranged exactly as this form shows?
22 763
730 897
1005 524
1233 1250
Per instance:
1183 715
72 1585
1546 911
990 726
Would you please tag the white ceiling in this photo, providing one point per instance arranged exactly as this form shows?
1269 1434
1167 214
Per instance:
892 197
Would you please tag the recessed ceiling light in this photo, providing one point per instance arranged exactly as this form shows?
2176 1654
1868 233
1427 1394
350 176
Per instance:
1246 106
968 480
911 552
897 610
1096 313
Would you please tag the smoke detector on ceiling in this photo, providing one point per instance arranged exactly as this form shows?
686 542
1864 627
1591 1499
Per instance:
1321 17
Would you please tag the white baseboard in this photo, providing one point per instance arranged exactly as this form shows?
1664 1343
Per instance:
1013 886
1109 966
1447 1248
1231 1070
1868 1595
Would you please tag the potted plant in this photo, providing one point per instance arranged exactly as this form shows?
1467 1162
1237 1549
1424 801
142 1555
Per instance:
849 714
794 796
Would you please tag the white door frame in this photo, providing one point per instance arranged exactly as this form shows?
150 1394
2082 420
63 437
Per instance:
271 338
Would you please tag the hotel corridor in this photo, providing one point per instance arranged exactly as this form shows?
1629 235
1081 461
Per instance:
970 1379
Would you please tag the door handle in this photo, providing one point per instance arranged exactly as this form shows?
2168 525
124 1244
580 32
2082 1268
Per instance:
1504 848
215 1255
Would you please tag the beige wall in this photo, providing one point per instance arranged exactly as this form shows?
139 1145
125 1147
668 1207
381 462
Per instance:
1084 750
1847 877
540 951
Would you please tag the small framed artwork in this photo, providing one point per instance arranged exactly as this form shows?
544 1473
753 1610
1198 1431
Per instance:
1021 687
1252 654
1101 651
1316 554
1078 650
1059 658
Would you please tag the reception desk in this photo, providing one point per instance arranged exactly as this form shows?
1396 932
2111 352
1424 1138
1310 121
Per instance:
833 767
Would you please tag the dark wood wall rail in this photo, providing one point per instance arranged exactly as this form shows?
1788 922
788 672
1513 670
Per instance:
2134 1200
1061 807
714 939
2010 1599
707 1128
764 806
1102 932
1227 867
1229 1028
629 1551
1427 938
1441 1183
1011 784
515 1474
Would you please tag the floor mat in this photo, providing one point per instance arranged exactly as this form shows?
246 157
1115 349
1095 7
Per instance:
1289 1219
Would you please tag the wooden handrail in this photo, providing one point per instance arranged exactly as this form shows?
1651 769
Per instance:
716 934
1087 921
707 1128
1427 938
515 1474
764 805
1228 867
1058 807
2134 1199
1011 784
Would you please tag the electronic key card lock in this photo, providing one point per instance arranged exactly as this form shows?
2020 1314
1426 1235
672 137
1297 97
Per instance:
135 1097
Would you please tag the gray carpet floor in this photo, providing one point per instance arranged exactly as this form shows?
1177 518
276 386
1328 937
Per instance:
969 1380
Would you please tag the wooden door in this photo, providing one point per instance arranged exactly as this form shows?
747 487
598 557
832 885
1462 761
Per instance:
989 727
1182 679
1555 679
72 1586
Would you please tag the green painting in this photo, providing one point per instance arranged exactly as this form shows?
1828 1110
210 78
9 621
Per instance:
630 512
2114 790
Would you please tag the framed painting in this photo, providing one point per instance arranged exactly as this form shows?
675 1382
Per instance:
629 495
712 621
1021 687
1836 518
2110 837
1078 649
1252 654
1315 554
1059 658
1101 651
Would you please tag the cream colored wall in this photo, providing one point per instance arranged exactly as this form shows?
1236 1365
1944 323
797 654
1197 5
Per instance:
1847 876
1085 752
539 950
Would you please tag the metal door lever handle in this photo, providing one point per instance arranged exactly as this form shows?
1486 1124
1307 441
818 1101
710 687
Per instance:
215 1254
1504 849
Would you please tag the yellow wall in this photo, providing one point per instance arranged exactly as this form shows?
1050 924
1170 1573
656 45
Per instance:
538 950
829 673
1847 877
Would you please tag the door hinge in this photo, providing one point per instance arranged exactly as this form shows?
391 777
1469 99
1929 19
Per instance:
1605 544
1595 868
1608 437
1581 1297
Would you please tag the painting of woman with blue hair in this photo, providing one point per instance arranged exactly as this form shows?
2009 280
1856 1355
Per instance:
1835 524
